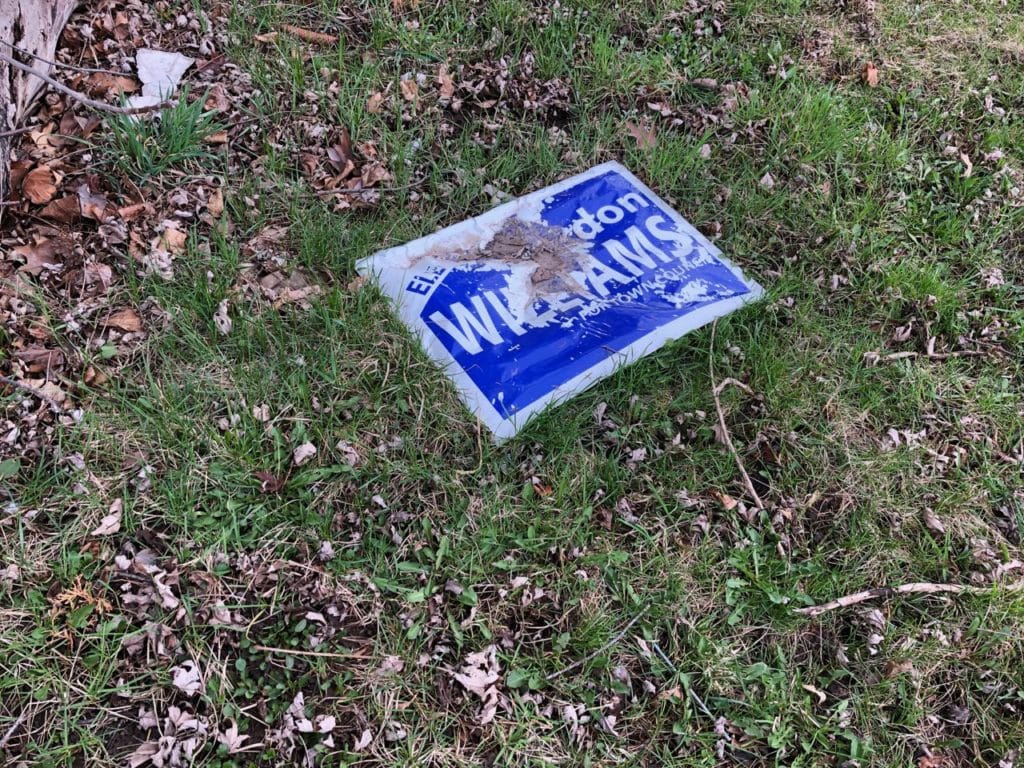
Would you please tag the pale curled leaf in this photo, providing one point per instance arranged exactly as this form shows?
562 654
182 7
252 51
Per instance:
222 319
111 522
303 453
186 678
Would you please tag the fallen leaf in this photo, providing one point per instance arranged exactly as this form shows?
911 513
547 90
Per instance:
870 74
269 482
231 738
447 84
895 669
266 37
968 165
348 452
39 256
303 453
111 523
64 209
111 85
767 181
215 203
186 678
309 35
932 522
126 320
364 740
143 753
479 676
221 319
409 89
160 73
39 185
644 135
727 501
373 104
822 697
173 240
92 206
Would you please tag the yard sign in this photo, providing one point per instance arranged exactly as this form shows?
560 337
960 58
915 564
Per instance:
539 298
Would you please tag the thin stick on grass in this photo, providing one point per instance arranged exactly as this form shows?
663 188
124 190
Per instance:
13 729
913 588
32 391
716 392
317 654
591 656
78 95
63 65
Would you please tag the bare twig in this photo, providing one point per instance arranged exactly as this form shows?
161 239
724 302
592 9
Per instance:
602 649
72 67
693 694
17 131
32 391
78 95
317 654
13 729
716 392
914 588
874 358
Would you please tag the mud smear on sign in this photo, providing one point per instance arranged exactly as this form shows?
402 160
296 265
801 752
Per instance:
550 251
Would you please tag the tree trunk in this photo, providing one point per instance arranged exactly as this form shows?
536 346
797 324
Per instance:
26 27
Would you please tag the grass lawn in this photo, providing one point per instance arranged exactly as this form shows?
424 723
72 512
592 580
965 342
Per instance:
639 610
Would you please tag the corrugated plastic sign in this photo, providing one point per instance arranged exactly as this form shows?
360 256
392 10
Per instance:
539 298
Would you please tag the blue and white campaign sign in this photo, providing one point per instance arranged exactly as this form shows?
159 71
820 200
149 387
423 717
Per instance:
539 298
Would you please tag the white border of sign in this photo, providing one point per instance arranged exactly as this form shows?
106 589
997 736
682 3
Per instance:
385 268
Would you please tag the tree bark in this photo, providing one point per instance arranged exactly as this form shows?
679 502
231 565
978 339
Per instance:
28 28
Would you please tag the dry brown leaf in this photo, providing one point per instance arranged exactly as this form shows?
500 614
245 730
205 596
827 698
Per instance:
217 137
91 205
444 79
215 203
269 482
932 522
870 74
64 209
126 320
111 85
374 173
410 90
644 135
373 104
267 37
39 185
726 500
39 256
173 240
479 675
111 523
309 35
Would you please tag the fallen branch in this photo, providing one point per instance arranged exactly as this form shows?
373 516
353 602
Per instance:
914 588
591 656
874 357
13 729
297 652
78 95
62 65
32 391
716 391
